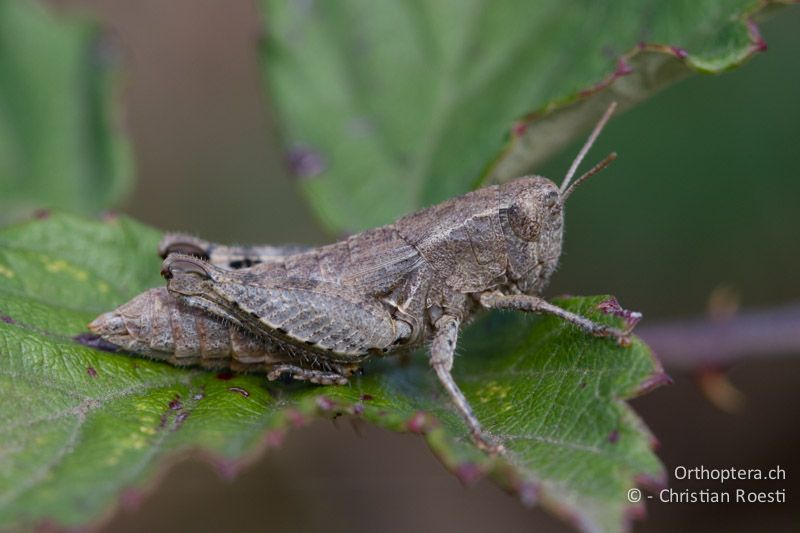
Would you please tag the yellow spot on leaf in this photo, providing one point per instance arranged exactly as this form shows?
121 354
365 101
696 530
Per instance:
60 265
7 272
493 391
103 287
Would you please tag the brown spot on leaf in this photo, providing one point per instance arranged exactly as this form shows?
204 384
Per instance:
91 371
239 390
180 419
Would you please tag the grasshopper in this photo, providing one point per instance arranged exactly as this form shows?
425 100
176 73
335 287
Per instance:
318 314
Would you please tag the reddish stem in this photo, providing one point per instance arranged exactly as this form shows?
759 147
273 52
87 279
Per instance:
717 342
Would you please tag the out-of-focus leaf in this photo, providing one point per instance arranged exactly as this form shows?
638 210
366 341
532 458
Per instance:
389 106
59 144
78 426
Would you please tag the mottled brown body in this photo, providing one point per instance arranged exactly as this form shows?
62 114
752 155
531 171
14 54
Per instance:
155 324
319 313
383 290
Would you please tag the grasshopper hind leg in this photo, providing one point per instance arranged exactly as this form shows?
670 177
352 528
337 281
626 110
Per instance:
223 256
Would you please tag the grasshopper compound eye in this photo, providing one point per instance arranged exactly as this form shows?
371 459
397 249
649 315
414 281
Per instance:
551 199
528 213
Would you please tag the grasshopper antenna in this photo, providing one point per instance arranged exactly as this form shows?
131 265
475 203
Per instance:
594 170
589 142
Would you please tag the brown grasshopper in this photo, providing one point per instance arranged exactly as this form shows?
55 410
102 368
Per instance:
318 313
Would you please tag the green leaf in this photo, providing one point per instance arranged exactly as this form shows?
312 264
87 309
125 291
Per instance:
58 146
389 106
78 426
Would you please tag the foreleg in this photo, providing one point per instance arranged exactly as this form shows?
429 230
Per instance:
534 304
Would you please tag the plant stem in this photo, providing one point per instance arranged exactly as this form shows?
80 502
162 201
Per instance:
723 341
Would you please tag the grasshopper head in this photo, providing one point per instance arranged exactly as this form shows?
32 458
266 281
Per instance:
533 220
535 215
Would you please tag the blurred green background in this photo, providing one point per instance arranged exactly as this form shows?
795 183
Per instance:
705 193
